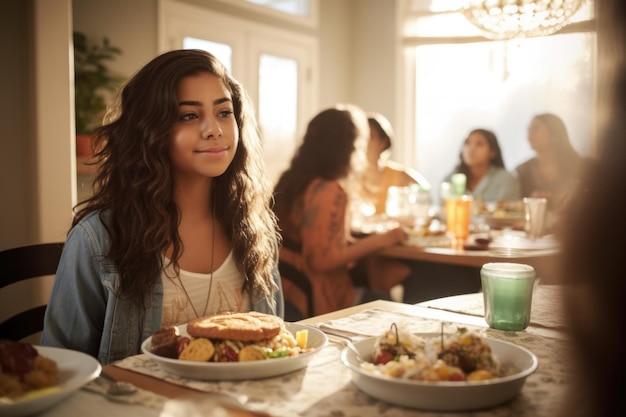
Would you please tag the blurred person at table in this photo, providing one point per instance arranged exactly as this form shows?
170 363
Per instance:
556 167
179 225
382 172
311 203
593 248
486 176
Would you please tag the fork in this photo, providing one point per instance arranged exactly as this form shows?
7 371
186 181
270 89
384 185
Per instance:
346 341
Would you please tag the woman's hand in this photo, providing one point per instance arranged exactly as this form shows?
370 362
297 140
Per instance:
395 236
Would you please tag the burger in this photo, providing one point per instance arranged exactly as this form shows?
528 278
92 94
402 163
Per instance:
230 337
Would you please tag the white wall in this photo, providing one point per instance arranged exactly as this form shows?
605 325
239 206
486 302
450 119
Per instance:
55 190
36 192
16 176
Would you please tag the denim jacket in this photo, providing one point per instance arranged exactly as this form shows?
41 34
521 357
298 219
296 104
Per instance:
85 313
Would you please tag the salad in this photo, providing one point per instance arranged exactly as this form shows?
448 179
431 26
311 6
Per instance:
461 356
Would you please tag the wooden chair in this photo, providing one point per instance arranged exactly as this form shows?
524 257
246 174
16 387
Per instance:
290 273
21 264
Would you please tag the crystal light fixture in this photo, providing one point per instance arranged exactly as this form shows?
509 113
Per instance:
508 19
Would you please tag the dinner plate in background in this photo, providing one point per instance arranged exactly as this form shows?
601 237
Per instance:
444 395
75 370
503 221
232 371
519 240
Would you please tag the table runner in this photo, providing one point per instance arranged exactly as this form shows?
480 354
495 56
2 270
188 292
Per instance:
324 388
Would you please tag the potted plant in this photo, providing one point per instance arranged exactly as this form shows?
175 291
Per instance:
92 77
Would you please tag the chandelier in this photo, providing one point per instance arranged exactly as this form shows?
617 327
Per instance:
508 19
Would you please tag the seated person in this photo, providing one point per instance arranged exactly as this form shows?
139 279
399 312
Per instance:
481 162
311 203
556 168
381 172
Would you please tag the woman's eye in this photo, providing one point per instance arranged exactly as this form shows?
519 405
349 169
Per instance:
226 113
188 116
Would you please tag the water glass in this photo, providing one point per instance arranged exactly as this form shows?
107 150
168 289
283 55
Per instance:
507 293
398 204
535 211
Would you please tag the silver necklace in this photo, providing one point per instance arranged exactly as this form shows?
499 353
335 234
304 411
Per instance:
208 297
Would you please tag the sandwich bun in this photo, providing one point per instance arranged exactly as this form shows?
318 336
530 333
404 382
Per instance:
246 327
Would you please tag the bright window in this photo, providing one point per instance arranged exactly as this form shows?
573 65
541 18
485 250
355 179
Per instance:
223 52
293 7
500 86
463 82
278 110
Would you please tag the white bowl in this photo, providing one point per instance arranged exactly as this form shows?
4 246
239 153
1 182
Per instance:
446 395
75 370
216 371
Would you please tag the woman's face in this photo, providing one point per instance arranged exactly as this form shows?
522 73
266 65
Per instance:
376 144
204 139
538 136
476 151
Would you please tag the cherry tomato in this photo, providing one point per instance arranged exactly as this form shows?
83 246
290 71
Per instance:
383 358
182 344
231 354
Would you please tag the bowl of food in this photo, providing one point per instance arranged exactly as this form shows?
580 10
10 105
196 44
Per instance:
431 371
35 378
234 346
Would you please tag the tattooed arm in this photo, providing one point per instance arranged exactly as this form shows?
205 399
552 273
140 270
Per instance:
325 232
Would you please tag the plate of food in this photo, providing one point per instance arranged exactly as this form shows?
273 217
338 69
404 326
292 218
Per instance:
502 214
34 378
234 346
431 371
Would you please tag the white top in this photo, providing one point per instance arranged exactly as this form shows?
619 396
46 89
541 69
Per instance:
226 293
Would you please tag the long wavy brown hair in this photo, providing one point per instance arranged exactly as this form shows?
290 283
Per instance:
333 148
568 160
135 182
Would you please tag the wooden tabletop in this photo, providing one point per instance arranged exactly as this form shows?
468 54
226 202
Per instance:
545 262
460 256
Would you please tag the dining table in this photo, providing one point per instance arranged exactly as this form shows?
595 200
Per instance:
442 266
325 387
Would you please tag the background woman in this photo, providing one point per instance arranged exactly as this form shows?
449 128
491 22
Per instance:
481 162
556 166
382 172
179 225
311 203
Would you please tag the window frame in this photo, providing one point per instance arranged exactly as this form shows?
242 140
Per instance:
311 21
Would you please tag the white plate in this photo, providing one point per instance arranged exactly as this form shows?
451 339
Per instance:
444 396
75 370
513 220
513 240
231 371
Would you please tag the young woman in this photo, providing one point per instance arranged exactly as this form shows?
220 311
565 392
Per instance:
481 162
311 203
179 225
381 172
556 166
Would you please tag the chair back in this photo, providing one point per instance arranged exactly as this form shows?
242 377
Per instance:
18 265
290 273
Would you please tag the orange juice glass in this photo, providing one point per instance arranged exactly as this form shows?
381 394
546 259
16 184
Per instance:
458 216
